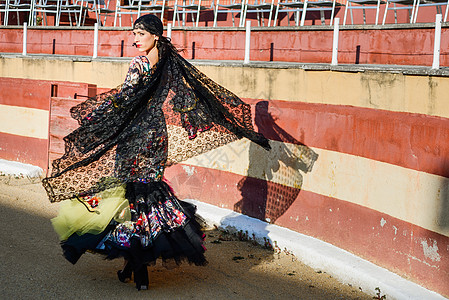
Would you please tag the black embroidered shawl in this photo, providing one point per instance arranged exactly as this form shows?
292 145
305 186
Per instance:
133 132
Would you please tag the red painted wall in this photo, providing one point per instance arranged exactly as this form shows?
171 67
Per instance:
24 149
60 125
412 141
408 46
35 94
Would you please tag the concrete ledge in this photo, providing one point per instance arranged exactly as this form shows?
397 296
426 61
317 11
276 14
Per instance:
350 68
344 266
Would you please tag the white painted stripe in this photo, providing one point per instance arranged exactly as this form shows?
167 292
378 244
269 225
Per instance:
344 266
412 196
29 122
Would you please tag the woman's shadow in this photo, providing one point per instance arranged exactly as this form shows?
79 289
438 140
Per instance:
274 178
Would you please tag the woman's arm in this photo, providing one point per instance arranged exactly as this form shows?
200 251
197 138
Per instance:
137 67
102 103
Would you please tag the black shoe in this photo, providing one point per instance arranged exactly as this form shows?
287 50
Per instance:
141 278
125 274
122 277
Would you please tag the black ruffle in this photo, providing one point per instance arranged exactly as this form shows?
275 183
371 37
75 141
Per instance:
182 244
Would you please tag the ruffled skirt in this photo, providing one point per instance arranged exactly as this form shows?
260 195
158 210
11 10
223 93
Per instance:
140 222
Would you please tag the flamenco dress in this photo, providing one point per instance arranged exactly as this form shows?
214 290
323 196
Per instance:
111 175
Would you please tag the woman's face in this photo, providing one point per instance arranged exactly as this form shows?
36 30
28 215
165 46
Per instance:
144 40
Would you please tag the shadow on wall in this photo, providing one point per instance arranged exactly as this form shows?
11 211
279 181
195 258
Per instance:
443 214
269 198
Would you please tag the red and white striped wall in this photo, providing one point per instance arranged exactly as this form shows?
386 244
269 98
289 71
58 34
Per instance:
378 187
363 166
25 113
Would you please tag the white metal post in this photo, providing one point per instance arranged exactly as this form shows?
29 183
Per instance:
436 45
303 13
247 42
24 48
95 41
377 11
169 30
335 42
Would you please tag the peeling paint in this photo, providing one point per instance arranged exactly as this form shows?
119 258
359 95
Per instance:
411 257
382 222
189 170
395 230
431 252
307 219
421 261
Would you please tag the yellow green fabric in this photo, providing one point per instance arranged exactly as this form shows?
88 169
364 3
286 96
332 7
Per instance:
74 217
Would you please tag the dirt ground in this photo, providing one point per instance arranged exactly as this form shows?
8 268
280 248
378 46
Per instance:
32 266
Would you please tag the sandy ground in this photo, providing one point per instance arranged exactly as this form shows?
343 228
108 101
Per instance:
32 266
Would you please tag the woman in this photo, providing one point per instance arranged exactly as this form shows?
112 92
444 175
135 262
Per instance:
111 174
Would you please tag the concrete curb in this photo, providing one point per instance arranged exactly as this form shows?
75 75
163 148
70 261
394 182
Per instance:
346 267
18 169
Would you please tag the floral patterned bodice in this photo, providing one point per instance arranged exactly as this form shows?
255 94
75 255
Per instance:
145 163
138 69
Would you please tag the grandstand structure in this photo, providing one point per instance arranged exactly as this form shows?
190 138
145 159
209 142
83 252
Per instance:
220 13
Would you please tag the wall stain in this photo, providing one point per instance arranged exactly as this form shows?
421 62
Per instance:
433 85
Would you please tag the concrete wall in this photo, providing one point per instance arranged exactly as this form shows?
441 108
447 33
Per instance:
393 45
359 159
